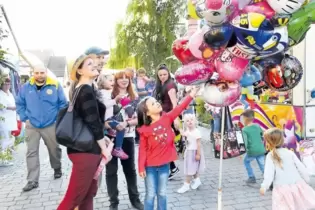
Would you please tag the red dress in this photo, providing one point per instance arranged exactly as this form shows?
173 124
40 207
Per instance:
157 146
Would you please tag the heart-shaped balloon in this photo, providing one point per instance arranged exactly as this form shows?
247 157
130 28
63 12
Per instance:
182 52
221 93
230 67
261 7
194 73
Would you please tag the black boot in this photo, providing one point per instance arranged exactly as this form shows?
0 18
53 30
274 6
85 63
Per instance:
58 173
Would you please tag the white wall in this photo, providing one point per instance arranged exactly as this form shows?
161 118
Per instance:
307 58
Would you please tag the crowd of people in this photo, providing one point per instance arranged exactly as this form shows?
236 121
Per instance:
128 108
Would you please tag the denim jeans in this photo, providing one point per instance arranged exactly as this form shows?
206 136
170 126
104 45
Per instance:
155 185
261 163
119 134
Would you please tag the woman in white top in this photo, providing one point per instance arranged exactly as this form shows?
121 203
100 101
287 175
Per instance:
288 175
8 122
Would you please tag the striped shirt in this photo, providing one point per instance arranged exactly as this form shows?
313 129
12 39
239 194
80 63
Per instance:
92 113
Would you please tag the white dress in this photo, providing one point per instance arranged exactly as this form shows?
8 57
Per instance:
9 122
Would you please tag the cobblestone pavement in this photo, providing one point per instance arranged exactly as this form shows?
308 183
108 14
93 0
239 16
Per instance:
236 194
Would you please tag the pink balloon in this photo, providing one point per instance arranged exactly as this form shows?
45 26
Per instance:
194 73
198 47
230 67
221 93
261 8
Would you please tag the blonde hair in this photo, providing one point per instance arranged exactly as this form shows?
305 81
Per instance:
187 117
102 78
141 71
274 139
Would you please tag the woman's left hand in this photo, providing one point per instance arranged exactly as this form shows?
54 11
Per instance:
197 157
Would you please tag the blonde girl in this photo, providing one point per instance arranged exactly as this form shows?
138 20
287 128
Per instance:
288 175
194 161
105 85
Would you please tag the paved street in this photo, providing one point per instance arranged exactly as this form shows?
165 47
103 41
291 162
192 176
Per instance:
236 194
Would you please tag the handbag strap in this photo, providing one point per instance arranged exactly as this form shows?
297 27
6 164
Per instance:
74 98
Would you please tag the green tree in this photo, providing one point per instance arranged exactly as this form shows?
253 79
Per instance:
145 37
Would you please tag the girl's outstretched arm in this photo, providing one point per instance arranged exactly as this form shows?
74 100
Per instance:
179 108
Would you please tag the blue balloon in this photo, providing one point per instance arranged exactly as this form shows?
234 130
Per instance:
218 36
250 76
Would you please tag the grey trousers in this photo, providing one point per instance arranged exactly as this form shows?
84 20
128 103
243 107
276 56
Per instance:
33 136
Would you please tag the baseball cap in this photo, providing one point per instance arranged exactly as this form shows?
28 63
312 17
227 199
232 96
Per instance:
96 51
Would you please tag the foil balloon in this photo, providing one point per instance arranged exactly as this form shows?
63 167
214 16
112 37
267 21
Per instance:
257 36
300 23
261 7
286 76
242 51
218 36
285 6
230 67
194 73
191 9
271 60
250 76
198 47
216 12
221 93
181 51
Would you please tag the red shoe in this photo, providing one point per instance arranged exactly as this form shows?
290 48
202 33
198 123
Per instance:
118 152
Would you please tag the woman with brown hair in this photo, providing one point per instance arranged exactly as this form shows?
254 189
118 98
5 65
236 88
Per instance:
166 93
123 86
82 186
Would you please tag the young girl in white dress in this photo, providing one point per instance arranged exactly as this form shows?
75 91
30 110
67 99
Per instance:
288 175
194 161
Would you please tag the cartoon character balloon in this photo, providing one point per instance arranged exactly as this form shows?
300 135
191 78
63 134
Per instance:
257 36
218 36
198 47
230 67
194 73
285 6
285 76
221 93
216 12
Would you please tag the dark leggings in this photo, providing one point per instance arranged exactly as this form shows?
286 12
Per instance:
172 164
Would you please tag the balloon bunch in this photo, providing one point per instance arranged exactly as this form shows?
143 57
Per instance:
234 34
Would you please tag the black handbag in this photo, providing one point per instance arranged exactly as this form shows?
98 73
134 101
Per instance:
71 131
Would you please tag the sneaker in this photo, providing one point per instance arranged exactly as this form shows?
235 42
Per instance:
184 188
195 183
58 173
251 180
137 205
29 186
173 173
118 152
